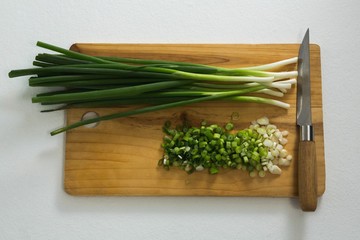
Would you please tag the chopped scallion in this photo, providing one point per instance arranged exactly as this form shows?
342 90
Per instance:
228 150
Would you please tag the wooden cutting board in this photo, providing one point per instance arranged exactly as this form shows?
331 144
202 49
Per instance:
119 157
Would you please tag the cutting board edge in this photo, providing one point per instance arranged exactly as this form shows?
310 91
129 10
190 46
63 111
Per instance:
76 193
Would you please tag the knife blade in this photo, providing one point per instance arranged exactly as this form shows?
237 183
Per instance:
307 179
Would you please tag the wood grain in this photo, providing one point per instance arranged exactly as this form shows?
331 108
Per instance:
119 157
307 175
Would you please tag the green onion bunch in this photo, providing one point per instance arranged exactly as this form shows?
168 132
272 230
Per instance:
98 81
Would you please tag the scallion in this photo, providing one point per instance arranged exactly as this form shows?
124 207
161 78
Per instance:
92 81
243 149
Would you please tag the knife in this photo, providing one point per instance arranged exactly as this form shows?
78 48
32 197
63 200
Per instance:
307 178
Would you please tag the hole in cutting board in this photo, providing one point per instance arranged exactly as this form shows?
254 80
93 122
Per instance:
89 115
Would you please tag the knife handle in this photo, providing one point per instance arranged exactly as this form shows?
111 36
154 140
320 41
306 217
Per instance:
307 177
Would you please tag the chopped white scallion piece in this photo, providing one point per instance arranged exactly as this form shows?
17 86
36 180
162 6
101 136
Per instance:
283 153
275 169
277 134
287 163
282 161
283 141
285 133
263 121
268 143
275 153
261 131
199 168
279 147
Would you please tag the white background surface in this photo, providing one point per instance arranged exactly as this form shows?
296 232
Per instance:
33 204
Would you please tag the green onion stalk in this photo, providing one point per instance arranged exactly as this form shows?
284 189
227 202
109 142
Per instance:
101 81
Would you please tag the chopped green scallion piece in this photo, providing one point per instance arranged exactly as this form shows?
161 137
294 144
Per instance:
213 170
229 126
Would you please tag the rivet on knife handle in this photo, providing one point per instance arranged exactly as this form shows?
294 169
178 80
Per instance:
307 178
